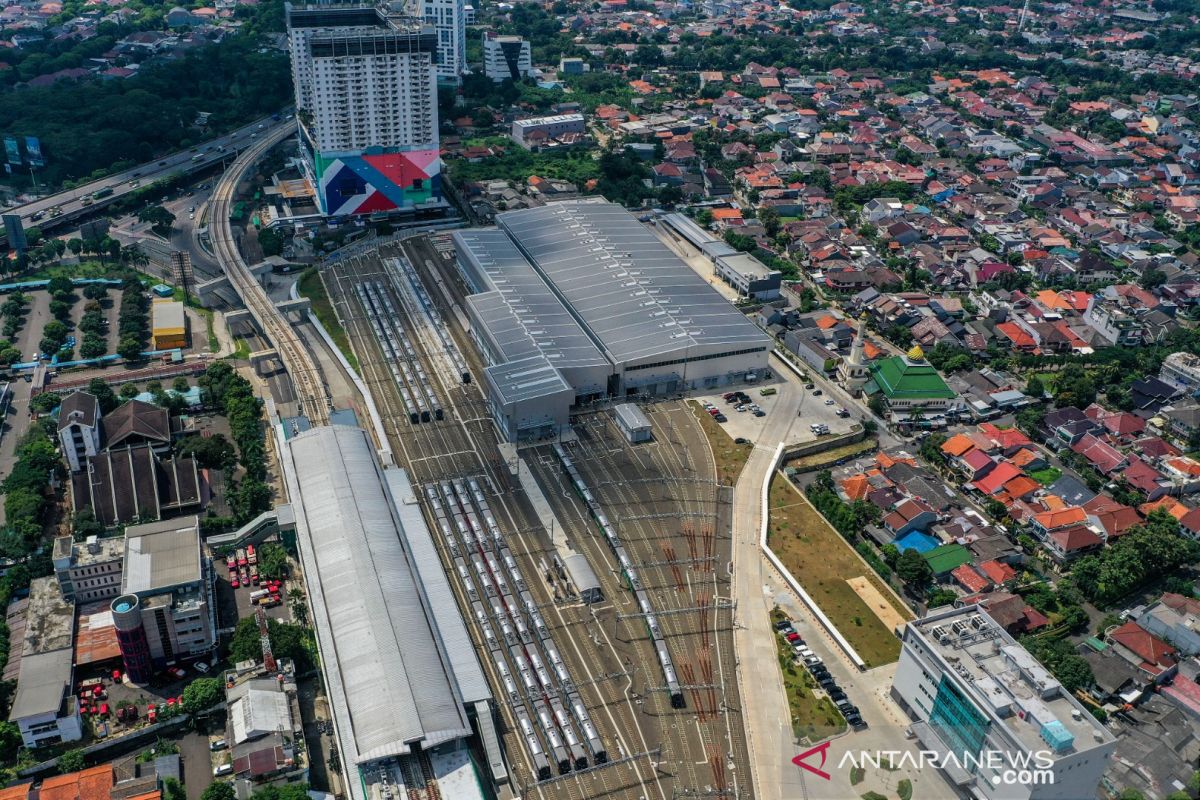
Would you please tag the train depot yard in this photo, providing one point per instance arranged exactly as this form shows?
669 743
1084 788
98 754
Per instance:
632 694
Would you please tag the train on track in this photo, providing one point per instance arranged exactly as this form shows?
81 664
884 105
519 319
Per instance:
629 576
421 402
553 721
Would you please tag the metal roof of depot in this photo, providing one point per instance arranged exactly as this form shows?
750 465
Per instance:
634 296
522 313
389 679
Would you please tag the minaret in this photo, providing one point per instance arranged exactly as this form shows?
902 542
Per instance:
854 373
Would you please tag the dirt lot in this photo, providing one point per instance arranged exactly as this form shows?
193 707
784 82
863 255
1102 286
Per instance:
823 562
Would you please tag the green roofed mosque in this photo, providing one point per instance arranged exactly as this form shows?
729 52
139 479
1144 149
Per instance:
907 384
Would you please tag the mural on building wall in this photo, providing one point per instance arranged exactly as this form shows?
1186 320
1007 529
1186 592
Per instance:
370 183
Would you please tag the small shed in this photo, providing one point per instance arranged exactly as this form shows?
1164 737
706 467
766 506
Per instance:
584 578
633 423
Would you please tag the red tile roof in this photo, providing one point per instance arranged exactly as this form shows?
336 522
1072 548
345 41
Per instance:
995 480
1156 654
969 579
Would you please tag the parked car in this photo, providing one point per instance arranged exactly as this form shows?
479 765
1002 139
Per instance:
177 672
224 769
817 393
219 744
200 666
793 636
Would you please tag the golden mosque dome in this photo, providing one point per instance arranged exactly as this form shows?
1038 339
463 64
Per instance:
916 353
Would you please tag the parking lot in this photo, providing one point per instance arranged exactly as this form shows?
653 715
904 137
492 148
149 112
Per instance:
235 603
815 408
827 683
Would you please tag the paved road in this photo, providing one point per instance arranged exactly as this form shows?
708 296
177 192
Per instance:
218 149
197 764
757 589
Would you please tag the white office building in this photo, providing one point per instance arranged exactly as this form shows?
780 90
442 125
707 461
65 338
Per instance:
366 106
989 709
449 19
506 57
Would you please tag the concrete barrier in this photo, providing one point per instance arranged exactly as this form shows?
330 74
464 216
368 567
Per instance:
385 452
811 604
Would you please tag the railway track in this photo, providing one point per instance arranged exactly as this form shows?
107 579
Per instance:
462 446
311 392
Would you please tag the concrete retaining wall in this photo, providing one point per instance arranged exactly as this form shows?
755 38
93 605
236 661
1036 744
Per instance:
811 604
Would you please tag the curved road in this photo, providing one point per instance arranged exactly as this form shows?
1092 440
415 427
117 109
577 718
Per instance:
199 157
311 391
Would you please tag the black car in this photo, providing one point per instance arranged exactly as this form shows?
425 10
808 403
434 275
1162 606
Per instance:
827 683
809 386
721 418
817 393
856 722
741 440
783 624
837 695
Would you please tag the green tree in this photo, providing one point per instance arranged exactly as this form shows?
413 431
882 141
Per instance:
94 291
940 597
286 791
173 790
272 560
85 524
202 693
10 737
59 285
98 388
219 790
71 761
213 452
287 641
1035 388
914 570
130 391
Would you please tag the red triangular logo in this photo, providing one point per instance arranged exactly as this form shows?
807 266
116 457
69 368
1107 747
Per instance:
801 760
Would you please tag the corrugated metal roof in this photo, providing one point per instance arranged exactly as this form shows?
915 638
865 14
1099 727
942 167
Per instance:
635 296
160 555
518 381
631 417
522 315
388 679
472 685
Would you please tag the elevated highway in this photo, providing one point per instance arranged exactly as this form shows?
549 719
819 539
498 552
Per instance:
311 392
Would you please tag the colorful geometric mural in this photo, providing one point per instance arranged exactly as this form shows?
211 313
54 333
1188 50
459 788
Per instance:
373 182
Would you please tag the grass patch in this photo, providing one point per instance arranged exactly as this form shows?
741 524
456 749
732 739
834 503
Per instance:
857 774
816 461
1046 476
822 561
84 269
730 457
310 286
904 789
241 351
813 718
874 796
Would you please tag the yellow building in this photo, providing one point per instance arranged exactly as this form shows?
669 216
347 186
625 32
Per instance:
168 325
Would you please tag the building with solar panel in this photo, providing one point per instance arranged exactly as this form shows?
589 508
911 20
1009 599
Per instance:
577 301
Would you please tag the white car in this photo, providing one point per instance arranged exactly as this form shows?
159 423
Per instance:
828 402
